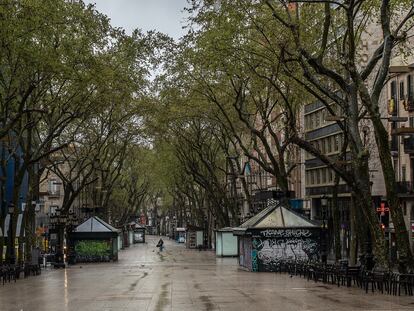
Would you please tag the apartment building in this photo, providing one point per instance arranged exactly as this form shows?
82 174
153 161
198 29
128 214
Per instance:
262 186
400 103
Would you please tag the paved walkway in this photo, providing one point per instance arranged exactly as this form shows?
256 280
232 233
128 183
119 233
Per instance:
182 280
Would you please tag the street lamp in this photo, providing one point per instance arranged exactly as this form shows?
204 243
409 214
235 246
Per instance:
324 203
12 257
58 221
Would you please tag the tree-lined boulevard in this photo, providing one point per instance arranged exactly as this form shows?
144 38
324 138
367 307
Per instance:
282 115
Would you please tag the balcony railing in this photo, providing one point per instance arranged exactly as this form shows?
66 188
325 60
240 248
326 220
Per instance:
55 193
404 187
409 103
409 144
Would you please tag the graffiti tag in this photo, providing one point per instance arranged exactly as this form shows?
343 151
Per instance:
286 233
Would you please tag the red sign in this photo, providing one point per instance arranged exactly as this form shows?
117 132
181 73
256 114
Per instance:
382 209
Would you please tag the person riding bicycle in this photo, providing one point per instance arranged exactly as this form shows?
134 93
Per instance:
160 244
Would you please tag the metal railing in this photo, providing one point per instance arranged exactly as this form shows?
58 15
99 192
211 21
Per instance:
405 187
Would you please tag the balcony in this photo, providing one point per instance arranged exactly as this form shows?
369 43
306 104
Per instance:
324 190
408 103
54 194
405 187
409 144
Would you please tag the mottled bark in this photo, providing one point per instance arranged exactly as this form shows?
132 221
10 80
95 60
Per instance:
405 260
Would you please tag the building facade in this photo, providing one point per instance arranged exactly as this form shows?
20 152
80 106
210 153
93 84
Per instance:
400 103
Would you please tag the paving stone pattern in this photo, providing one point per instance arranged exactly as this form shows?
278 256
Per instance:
181 280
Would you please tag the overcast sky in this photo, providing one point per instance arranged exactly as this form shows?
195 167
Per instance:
166 16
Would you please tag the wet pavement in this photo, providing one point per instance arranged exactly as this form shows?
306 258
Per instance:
183 280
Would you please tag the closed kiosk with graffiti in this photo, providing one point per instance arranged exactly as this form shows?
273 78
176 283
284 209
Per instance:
275 235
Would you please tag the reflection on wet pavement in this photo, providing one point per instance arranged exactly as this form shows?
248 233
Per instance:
182 280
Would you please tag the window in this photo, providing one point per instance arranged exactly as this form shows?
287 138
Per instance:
403 173
396 168
393 90
53 209
410 87
317 119
394 96
329 145
401 89
411 120
324 175
53 186
318 176
312 177
322 146
336 143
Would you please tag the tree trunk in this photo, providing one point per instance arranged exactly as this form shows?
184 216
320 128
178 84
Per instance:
1 248
405 258
353 243
336 220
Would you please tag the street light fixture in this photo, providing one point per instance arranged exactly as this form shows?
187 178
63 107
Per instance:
58 221
12 257
324 203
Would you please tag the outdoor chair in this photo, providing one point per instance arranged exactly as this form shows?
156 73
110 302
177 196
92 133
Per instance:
404 281
311 270
341 275
10 273
331 274
352 275
377 279
31 269
4 273
301 269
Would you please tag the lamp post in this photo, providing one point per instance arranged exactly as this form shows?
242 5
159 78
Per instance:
324 203
58 221
12 257
70 226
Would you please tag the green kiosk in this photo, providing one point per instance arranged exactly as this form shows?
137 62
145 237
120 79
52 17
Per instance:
93 241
